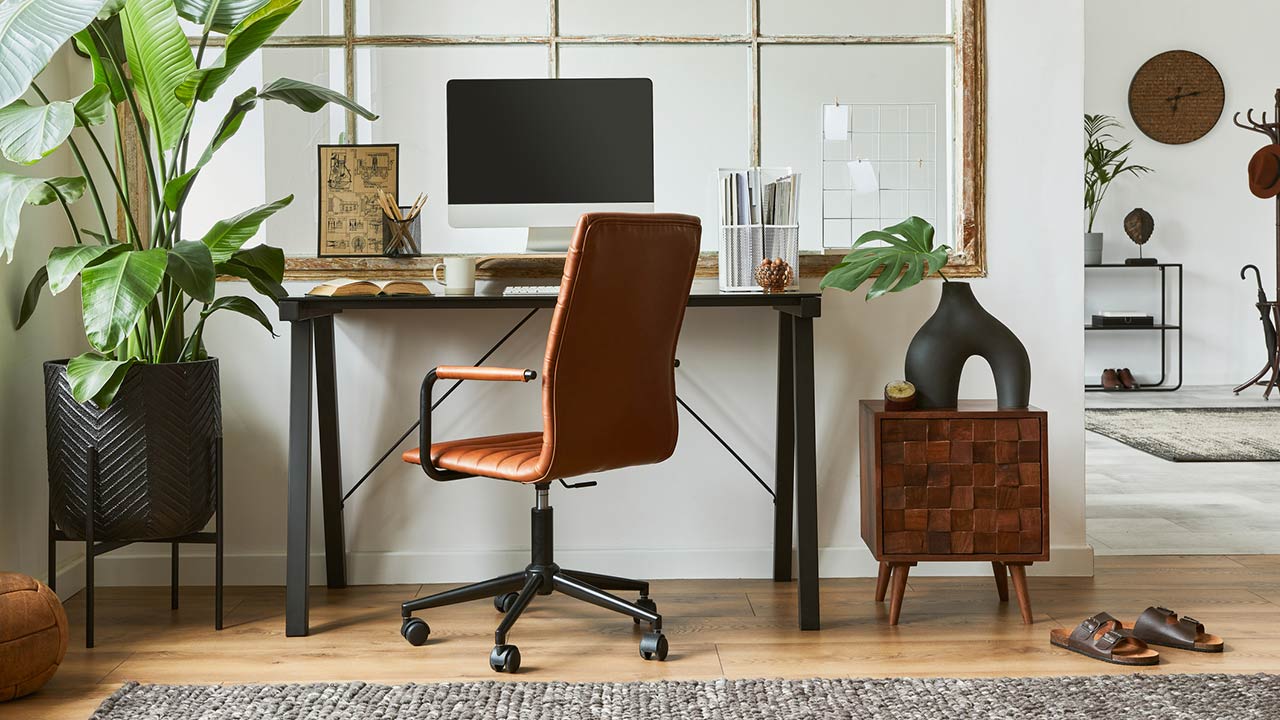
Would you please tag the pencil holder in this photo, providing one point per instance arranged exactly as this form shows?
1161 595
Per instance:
401 238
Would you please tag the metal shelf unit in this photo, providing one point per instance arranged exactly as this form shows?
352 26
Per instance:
1164 328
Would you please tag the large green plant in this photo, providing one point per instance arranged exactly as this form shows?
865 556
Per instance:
907 256
137 289
1103 163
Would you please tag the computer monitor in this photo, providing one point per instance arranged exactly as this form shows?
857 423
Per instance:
540 153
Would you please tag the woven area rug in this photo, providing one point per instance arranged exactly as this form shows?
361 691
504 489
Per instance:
1193 434
1134 697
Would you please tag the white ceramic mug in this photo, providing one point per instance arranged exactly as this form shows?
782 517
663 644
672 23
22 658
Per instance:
459 275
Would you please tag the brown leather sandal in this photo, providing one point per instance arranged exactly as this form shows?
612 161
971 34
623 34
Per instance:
1104 638
1162 626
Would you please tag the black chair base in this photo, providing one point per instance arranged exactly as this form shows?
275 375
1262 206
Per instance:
513 593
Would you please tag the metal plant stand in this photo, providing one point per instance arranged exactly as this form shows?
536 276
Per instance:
1160 326
93 548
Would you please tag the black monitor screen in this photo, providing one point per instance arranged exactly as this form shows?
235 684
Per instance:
517 142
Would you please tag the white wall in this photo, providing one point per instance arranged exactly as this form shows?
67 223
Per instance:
697 514
53 332
1205 216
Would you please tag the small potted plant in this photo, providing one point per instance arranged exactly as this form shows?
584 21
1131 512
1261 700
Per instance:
146 395
960 328
1103 163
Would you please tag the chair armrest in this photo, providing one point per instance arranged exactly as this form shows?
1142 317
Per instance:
453 372
466 372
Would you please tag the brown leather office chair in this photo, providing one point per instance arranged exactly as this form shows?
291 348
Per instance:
608 401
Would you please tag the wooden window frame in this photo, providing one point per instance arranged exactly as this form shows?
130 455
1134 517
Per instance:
967 38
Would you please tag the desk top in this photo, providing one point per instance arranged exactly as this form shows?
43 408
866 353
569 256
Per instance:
703 294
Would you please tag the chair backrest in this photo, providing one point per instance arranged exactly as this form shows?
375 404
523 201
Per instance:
608 383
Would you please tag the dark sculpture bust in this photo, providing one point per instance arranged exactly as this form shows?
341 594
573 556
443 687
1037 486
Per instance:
960 329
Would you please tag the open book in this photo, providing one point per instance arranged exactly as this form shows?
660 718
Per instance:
345 287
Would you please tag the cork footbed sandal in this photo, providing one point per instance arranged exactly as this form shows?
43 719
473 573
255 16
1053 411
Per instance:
1162 626
1104 638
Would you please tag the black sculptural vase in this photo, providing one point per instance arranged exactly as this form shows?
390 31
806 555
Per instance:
960 329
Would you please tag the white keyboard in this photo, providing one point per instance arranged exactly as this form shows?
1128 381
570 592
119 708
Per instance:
532 290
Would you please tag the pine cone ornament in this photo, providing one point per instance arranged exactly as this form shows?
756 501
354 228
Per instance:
774 275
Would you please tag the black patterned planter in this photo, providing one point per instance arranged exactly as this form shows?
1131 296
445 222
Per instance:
155 475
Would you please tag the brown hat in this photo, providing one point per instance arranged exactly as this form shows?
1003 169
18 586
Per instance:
1264 172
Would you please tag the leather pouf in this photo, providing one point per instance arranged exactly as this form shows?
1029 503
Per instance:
33 635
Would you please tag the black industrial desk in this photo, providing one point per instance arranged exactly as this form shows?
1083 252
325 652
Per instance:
311 318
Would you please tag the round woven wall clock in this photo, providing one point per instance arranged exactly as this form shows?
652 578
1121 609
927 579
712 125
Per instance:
1176 97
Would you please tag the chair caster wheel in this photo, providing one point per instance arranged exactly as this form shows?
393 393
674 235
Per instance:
415 630
653 646
647 604
505 658
504 602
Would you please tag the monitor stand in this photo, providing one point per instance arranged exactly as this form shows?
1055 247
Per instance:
549 240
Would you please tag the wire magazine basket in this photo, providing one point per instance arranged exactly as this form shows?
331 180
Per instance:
759 218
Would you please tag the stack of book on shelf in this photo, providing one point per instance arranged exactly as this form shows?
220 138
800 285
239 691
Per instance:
1113 318
776 204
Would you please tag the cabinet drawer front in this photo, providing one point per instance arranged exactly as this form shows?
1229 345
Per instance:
962 486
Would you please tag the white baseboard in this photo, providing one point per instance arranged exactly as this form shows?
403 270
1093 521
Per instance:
377 568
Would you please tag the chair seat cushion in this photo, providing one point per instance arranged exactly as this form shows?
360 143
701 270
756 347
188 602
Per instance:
513 456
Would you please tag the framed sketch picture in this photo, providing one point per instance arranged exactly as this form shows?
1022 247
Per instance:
350 221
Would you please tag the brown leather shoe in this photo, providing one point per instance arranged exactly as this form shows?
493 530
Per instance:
1127 379
1111 380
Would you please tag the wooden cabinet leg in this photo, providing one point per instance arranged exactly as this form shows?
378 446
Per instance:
1002 580
1019 574
900 571
882 581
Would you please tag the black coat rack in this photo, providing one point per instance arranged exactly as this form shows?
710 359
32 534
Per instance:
1268 310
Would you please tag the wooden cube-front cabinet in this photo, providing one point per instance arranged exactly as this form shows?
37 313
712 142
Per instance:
959 484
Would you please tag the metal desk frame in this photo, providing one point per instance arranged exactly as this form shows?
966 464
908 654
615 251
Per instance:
312 356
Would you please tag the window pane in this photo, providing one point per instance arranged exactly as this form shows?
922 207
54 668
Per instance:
406 86
701 115
655 17
854 17
900 120
314 17
272 155
452 17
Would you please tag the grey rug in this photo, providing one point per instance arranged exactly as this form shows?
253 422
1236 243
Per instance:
1193 434
1133 697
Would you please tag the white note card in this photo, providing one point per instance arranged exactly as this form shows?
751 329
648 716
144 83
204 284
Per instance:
862 177
835 122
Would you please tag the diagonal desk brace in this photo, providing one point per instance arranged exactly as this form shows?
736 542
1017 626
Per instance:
727 446
435 405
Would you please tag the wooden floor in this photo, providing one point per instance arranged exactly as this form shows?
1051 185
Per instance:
717 628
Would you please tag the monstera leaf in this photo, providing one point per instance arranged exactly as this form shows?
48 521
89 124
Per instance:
908 256
30 32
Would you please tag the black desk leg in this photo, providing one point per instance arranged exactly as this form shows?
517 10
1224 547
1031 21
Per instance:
806 473
335 545
784 452
298 571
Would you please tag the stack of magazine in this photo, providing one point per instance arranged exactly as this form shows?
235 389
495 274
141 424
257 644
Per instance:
744 202
759 218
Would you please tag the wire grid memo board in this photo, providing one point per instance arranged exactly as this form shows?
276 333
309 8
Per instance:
900 141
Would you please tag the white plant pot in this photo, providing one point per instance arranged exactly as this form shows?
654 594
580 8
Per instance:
1093 248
